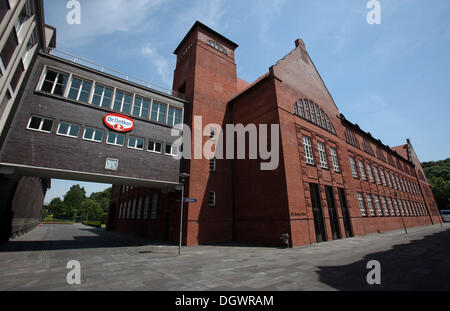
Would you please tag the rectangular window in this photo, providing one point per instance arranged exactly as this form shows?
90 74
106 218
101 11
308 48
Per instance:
171 149
141 107
154 146
93 134
80 90
122 102
54 82
385 207
376 199
390 206
335 160
154 206
369 171
212 198
388 178
362 170
158 112
383 178
353 167
322 155
397 210
115 139
362 208
40 124
402 211
146 206
308 150
68 129
370 205
136 143
174 116
102 96
377 175
212 165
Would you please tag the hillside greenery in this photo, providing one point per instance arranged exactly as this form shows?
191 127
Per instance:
438 175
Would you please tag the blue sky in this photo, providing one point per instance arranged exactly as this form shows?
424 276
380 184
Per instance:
393 79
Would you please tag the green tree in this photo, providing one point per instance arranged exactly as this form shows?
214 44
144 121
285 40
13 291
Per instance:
102 197
90 208
441 191
57 209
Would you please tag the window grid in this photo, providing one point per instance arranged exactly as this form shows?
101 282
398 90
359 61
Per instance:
322 155
362 170
369 171
370 205
362 208
308 150
94 135
212 198
40 124
335 160
378 205
68 129
353 167
80 90
377 176
154 146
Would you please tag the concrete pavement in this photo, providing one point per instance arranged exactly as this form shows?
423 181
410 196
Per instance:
111 261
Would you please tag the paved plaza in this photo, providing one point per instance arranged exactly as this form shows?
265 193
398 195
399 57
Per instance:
112 261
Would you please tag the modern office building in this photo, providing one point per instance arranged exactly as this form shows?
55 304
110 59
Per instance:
22 34
334 180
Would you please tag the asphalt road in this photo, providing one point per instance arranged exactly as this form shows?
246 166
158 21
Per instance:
111 261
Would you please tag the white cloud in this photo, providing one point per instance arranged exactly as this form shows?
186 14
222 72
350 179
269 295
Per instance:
163 67
210 13
100 17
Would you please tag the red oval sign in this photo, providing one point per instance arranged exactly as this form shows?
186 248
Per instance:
118 122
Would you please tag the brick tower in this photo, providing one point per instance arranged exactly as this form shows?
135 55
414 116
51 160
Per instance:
206 74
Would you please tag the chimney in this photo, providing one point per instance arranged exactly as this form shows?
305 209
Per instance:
299 42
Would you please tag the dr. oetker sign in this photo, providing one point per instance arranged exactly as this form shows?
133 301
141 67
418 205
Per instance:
118 122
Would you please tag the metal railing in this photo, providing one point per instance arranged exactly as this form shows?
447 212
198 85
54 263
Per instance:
104 69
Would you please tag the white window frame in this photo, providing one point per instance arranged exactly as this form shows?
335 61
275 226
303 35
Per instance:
40 125
309 155
154 145
362 206
362 170
377 175
353 167
136 143
376 199
322 155
58 73
335 160
370 205
122 101
115 139
370 173
80 89
172 149
383 177
384 205
68 129
141 106
174 113
103 95
158 113
93 136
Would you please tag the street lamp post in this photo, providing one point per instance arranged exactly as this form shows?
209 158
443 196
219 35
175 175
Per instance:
183 177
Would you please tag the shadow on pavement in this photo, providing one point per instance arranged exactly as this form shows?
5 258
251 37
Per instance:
419 265
100 239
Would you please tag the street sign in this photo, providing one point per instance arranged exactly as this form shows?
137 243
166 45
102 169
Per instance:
188 200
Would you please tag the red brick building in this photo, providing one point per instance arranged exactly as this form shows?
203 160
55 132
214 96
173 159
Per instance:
333 180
